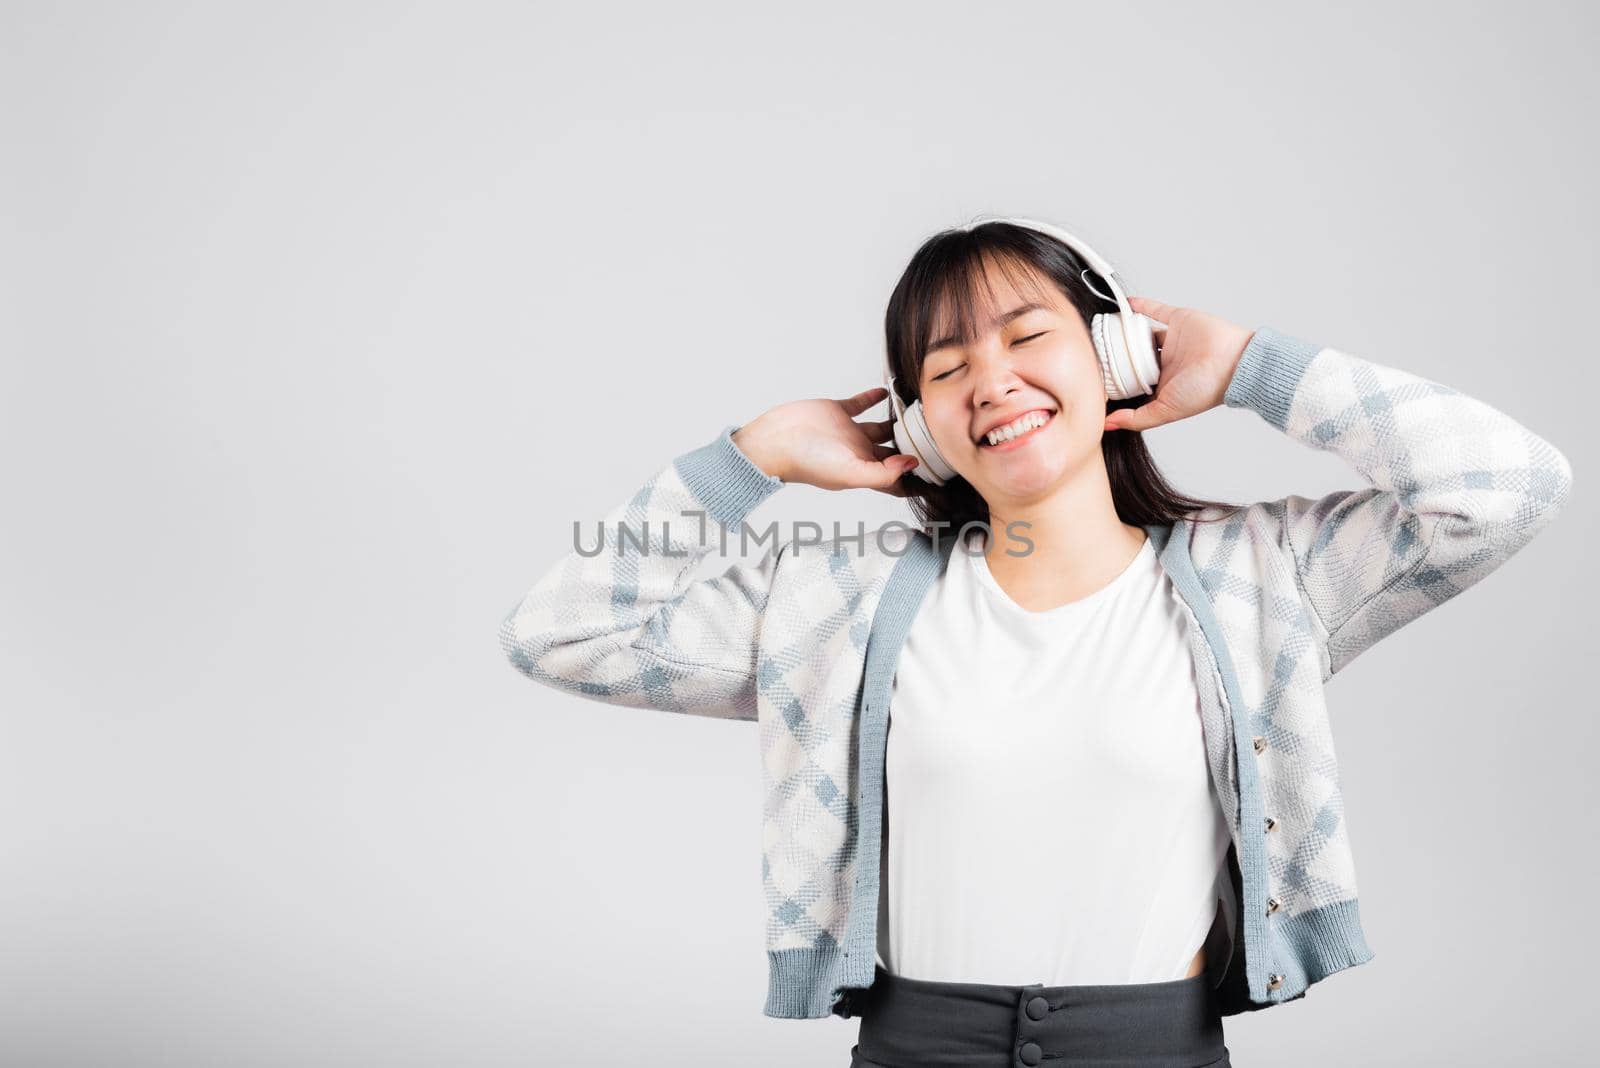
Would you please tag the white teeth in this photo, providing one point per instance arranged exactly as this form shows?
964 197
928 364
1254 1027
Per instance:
1021 425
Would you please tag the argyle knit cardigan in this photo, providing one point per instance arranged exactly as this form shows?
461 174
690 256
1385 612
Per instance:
1279 596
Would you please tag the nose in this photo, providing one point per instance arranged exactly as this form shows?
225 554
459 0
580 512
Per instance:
995 381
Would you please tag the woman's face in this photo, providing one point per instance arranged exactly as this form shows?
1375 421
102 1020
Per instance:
1040 363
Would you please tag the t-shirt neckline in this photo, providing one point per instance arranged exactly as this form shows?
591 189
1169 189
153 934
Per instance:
980 566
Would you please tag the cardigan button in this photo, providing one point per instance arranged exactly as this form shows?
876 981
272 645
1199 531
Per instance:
1271 823
1030 1053
1259 742
1273 904
1274 981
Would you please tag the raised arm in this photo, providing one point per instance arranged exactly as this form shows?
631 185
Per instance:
627 626
1457 487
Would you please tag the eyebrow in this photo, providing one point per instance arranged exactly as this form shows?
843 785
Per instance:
997 323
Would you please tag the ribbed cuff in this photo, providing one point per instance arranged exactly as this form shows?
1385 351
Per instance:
725 480
1268 373
1311 946
800 983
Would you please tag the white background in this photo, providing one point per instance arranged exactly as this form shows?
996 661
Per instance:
320 324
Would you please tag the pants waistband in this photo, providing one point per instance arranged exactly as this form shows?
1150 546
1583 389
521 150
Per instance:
919 1023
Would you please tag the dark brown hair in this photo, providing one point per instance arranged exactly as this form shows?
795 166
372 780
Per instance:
946 273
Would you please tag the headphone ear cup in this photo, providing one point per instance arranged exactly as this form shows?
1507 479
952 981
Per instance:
902 442
1126 372
912 438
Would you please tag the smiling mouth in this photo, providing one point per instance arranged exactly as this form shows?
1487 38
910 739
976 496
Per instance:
1019 439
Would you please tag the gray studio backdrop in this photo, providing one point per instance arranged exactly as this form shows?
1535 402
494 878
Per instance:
321 324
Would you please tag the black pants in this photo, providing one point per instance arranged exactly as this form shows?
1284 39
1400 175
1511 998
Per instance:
916 1023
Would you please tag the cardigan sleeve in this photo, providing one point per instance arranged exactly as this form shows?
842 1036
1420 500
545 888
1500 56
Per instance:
1456 486
619 619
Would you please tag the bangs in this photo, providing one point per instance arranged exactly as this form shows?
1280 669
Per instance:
956 299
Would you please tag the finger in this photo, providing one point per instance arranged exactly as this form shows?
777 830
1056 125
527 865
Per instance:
877 429
884 474
859 403
1152 414
1153 308
896 487
898 463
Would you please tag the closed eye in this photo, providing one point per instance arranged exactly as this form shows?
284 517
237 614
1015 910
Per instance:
1019 341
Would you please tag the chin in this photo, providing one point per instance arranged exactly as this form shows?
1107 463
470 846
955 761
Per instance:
1028 481
1026 488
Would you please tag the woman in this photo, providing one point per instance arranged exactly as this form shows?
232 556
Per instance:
1109 812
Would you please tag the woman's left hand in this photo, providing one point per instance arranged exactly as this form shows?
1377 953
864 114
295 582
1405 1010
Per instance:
1198 355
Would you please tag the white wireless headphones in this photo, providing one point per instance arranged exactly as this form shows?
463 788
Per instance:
1124 341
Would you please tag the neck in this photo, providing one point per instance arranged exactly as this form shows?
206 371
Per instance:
1078 542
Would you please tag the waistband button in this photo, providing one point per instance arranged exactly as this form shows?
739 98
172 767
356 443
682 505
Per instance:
1030 1053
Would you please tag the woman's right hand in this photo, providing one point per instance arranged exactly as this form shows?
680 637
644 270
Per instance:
818 442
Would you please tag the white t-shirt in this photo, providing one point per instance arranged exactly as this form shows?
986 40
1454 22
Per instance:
1050 817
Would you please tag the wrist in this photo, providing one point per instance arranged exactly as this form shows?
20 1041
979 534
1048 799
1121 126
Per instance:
757 449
